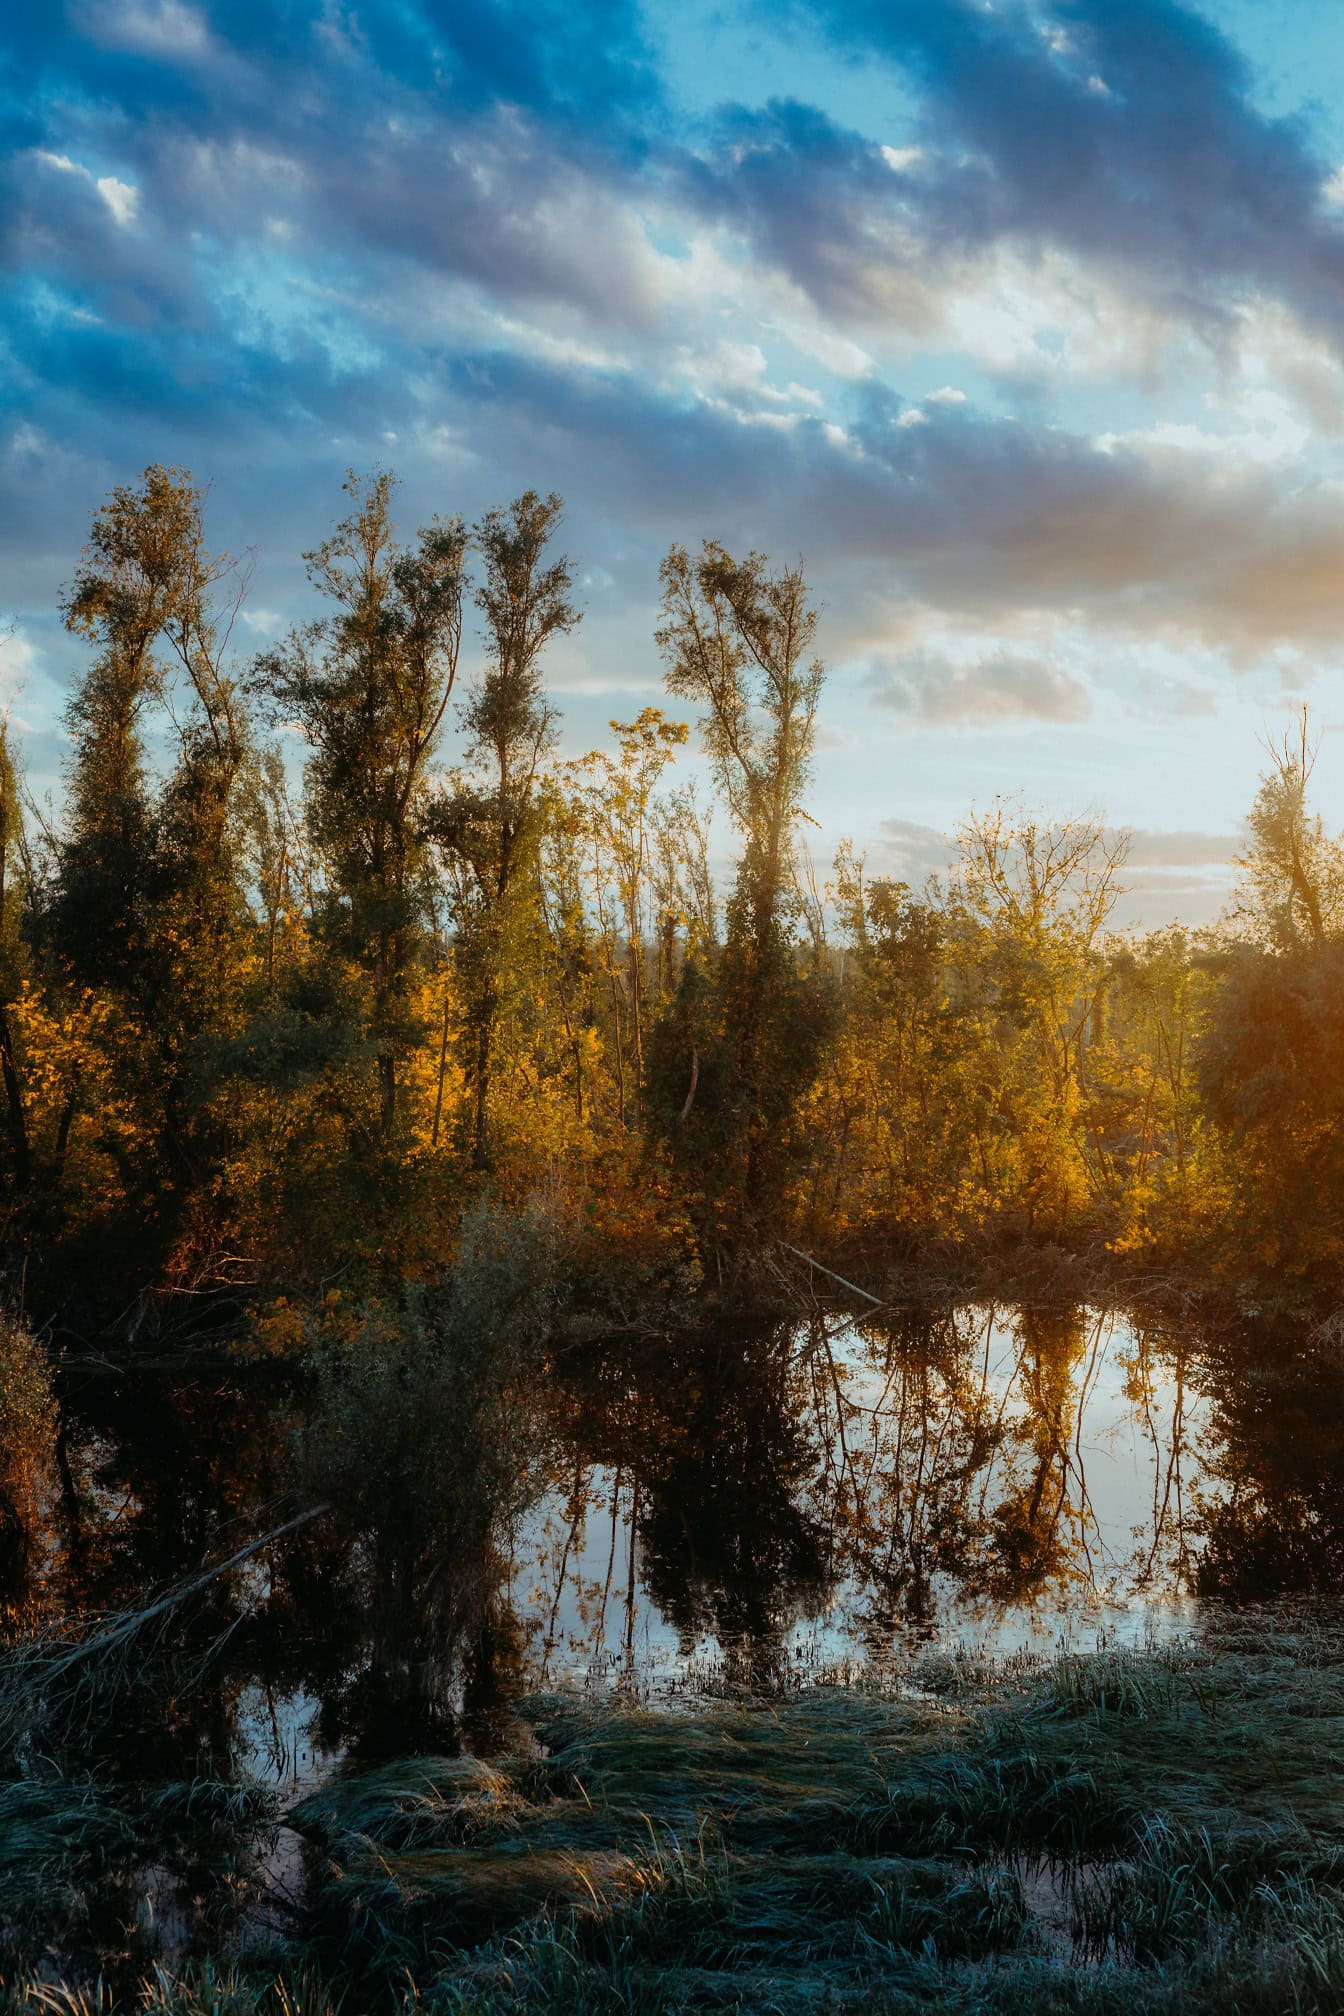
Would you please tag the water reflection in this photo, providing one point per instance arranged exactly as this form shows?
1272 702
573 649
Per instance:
709 1506
837 1490
1274 1450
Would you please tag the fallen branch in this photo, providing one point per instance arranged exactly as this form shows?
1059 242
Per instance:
852 1286
132 1621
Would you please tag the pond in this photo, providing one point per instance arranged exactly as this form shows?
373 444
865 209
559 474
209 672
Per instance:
713 1509
991 1480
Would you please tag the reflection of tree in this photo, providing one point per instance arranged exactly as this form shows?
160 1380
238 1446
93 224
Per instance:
160 1477
1273 1507
741 1482
710 1432
913 1455
728 1547
906 1431
1166 1547
1040 1521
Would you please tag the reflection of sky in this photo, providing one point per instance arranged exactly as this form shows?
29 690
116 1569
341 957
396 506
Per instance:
1133 1469
1024 324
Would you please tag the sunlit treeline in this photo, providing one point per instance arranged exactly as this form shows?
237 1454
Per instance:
269 1026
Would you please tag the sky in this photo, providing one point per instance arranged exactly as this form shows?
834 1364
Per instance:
1022 327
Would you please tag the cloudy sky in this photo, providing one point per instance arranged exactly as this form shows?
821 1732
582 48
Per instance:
1023 326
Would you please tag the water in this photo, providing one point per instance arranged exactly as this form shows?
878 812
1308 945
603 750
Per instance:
1001 1482
828 1498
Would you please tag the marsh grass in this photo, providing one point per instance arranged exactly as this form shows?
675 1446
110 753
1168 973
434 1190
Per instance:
1138 1833
88 1869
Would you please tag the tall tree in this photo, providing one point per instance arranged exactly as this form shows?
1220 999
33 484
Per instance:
629 853
13 959
146 583
147 913
369 687
1292 873
738 638
487 824
1029 903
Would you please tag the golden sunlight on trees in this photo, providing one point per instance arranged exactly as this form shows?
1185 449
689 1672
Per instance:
486 826
27 1454
1272 1062
263 1020
738 638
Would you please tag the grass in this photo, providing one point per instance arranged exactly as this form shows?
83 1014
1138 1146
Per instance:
1141 1834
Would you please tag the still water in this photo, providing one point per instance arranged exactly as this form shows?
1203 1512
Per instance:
714 1509
1012 1482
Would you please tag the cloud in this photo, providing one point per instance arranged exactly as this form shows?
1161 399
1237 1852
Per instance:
1130 140
168 30
980 518
18 663
1000 688
490 246
1180 850
522 151
263 622
121 198
912 851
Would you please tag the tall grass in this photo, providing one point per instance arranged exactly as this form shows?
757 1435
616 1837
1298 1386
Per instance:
1145 1835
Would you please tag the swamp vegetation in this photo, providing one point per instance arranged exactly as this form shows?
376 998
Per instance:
951 1658
573 1441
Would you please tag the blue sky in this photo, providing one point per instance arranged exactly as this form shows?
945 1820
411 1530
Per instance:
1023 326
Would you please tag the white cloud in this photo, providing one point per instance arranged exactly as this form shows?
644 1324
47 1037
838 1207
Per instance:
999 688
1148 849
18 661
166 29
121 198
263 622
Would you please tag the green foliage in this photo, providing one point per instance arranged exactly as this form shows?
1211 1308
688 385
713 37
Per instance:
864 1852
1017 1846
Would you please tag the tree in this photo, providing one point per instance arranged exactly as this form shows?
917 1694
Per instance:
369 687
738 638
486 824
893 1110
147 917
1292 886
147 580
14 959
626 844
1030 902
1271 1053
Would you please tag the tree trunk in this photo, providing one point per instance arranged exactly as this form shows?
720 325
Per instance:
17 1118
